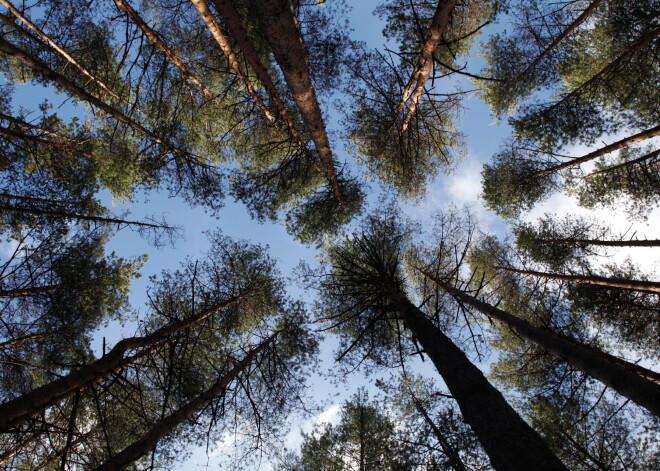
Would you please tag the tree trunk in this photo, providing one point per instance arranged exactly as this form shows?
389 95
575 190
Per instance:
232 20
447 448
66 84
632 381
622 56
604 243
634 285
82 217
16 411
578 21
283 35
629 163
422 70
19 292
124 6
510 443
25 137
165 426
52 44
640 136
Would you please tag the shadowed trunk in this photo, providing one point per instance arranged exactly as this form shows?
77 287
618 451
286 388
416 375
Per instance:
149 441
232 20
284 37
632 381
19 292
52 44
66 84
629 163
634 285
16 411
616 61
511 444
578 21
82 217
124 6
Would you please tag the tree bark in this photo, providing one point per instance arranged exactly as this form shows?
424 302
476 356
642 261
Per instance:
232 20
578 21
83 217
629 163
66 84
510 442
422 70
166 425
52 44
284 37
604 243
19 292
16 411
124 6
632 381
634 285
628 141
618 59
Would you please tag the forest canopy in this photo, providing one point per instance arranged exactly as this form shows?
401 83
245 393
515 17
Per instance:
521 333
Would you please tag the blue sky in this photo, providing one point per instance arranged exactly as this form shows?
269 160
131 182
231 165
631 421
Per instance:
483 137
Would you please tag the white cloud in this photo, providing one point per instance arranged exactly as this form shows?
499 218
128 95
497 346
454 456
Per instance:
329 416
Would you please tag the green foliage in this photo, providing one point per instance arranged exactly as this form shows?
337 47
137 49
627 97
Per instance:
508 186
363 439
631 185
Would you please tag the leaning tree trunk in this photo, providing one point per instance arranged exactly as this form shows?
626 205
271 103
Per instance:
604 243
615 62
17 411
510 442
572 27
149 441
628 141
629 163
20 292
284 37
448 449
232 20
52 44
156 40
632 381
42 69
634 285
80 217
424 66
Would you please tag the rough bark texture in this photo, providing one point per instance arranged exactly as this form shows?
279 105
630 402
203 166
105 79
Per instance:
424 66
511 444
232 20
628 141
124 6
66 84
161 429
284 37
15 412
632 381
635 285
